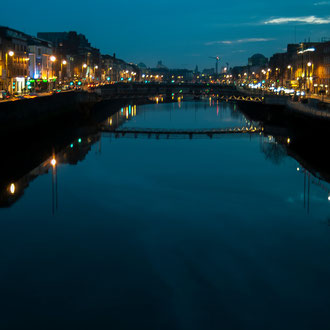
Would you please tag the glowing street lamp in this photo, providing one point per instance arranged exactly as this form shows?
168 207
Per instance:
64 62
84 65
12 188
52 58
11 54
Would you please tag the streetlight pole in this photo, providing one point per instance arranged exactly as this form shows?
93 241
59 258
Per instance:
52 60
95 68
11 54
290 68
64 62
82 71
309 64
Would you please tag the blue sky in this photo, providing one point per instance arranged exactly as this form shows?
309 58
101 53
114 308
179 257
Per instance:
181 33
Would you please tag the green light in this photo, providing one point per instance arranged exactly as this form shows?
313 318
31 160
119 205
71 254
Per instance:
32 80
71 145
79 140
79 83
45 80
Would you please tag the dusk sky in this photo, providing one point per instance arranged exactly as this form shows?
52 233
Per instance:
180 33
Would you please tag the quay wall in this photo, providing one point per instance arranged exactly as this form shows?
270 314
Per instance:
26 112
307 110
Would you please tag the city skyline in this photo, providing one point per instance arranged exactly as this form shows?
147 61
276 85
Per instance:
183 34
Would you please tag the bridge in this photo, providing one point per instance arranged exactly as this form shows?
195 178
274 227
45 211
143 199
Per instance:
170 133
136 90
241 98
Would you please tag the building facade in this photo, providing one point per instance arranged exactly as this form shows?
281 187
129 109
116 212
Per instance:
304 66
75 58
14 60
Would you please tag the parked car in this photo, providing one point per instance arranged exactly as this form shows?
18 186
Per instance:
4 95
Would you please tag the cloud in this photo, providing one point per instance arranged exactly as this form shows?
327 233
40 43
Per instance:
322 3
302 19
239 41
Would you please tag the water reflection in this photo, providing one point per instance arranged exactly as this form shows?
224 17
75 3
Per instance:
202 228
276 147
71 154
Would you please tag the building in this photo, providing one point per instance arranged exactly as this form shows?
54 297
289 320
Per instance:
75 58
40 64
14 60
257 60
304 66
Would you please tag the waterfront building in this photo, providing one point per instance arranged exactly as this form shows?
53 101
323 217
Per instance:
257 60
76 59
304 66
14 60
41 70
117 70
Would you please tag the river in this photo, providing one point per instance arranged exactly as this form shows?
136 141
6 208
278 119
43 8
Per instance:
167 231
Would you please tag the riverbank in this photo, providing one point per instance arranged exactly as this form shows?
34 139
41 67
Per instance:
29 113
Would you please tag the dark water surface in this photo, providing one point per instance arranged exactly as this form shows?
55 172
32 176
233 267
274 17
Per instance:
169 232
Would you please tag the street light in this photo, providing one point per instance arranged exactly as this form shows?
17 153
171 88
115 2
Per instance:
12 188
64 62
84 65
52 60
309 74
11 54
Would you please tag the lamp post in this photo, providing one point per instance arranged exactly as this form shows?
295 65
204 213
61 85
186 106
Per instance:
10 54
52 60
64 62
309 77
290 68
277 70
84 66
95 68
